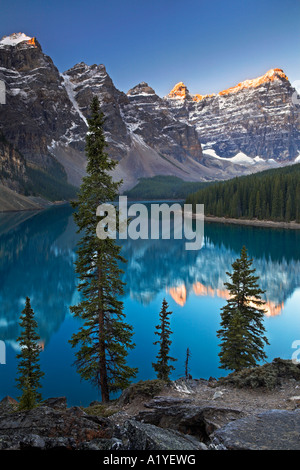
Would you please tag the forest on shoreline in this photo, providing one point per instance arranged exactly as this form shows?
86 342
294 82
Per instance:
270 195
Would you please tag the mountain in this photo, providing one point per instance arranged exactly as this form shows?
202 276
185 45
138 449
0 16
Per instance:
254 120
38 110
196 138
141 133
13 167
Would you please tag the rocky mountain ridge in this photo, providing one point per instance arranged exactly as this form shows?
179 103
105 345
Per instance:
198 138
257 119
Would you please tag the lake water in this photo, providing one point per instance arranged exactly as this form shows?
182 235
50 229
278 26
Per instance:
37 253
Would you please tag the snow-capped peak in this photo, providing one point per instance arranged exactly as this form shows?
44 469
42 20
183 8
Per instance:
15 39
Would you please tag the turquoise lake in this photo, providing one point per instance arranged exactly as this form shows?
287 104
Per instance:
37 254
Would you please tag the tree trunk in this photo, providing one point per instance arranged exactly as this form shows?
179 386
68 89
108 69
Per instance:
102 351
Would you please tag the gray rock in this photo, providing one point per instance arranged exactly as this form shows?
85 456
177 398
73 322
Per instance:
33 441
142 88
45 427
198 421
218 394
158 402
141 436
270 430
61 443
56 403
8 401
7 405
187 386
97 444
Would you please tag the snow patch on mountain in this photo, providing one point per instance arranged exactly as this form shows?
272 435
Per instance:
240 158
69 86
14 39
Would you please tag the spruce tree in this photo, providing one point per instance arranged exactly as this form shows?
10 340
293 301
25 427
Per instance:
28 399
242 331
269 195
104 338
29 368
162 366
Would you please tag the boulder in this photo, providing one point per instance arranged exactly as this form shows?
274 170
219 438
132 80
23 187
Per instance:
270 430
162 402
44 427
187 386
141 436
100 444
56 403
199 421
7 405
8 401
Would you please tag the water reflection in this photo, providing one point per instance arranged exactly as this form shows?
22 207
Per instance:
36 260
37 252
156 265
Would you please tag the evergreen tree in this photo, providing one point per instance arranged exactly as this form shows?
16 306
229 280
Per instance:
289 206
269 195
162 366
258 205
29 368
28 399
104 338
242 331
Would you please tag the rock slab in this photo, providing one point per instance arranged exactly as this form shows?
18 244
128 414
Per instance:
270 430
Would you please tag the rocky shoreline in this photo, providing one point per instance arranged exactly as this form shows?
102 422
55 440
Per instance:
189 415
254 222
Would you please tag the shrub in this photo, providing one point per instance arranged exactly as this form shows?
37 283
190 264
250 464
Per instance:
147 388
268 376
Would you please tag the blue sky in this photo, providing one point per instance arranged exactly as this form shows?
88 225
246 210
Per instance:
208 44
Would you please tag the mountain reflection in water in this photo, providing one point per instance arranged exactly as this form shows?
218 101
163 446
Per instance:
38 250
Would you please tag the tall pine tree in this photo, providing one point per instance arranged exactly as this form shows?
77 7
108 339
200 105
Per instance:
242 331
104 338
30 374
162 367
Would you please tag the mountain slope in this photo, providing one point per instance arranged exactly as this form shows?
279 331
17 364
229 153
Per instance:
247 128
256 118
12 201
